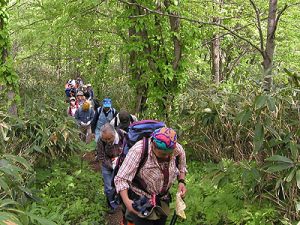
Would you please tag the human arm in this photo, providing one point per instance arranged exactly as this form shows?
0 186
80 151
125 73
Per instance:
127 201
79 122
181 158
129 167
100 150
91 117
94 120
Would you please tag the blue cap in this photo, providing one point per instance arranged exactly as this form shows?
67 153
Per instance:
106 103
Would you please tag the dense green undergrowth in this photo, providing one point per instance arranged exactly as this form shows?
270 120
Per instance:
224 198
71 193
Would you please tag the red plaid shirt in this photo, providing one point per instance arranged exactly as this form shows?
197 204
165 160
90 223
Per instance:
151 171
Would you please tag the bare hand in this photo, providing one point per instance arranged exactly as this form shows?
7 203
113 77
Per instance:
130 208
182 189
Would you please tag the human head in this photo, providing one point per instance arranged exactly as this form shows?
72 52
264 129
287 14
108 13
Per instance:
124 118
89 86
72 101
80 95
107 133
86 106
165 138
106 104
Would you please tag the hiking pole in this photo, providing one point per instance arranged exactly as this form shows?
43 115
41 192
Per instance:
174 218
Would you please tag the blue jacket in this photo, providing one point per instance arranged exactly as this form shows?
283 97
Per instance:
84 116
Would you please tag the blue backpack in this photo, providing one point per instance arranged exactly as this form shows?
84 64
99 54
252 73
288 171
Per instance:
137 131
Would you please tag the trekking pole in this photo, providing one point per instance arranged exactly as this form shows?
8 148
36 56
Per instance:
174 218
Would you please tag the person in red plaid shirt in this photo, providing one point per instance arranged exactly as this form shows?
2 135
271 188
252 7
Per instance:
147 201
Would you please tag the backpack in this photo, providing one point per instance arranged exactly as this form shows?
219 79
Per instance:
137 131
96 117
122 126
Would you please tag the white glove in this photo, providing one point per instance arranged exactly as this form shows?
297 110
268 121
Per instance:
83 124
88 123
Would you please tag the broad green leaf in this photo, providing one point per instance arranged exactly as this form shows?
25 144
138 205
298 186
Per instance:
279 158
271 104
258 137
279 167
298 178
3 185
290 177
8 217
41 220
6 202
274 132
19 159
260 101
244 116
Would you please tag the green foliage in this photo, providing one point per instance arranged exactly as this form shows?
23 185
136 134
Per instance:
71 193
224 196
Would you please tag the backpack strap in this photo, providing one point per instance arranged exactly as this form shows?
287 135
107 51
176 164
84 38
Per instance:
115 112
116 121
99 110
131 118
137 181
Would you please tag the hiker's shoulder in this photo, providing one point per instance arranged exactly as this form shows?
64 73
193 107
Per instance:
179 149
138 146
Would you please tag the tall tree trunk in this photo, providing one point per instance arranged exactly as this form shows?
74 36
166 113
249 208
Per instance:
216 57
270 45
216 49
134 69
174 20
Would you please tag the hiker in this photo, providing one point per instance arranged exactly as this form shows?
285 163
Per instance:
109 147
79 82
90 90
147 201
84 116
85 92
80 98
103 115
72 107
68 84
122 120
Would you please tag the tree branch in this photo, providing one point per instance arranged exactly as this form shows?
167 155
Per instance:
198 22
258 25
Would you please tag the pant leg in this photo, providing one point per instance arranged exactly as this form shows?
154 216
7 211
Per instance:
108 189
97 135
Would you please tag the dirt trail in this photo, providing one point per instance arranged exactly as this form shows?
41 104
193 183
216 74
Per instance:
111 219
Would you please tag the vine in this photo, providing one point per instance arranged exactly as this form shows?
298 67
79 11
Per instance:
9 80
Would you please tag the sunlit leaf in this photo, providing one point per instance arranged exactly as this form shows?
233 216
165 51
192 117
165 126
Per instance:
298 178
